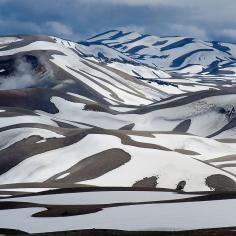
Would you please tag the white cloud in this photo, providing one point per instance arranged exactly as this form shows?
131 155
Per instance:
142 2
229 33
132 28
188 31
59 29
22 78
206 19
54 28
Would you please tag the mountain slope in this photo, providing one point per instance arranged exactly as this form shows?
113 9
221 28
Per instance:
90 210
58 98
181 54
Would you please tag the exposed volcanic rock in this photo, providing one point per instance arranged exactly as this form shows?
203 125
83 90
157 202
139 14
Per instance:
32 99
221 183
150 182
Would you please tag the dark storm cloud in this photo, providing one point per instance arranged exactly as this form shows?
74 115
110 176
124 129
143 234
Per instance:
78 19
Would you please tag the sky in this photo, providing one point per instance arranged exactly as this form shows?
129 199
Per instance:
82 19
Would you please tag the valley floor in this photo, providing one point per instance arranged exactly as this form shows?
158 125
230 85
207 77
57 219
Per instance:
121 211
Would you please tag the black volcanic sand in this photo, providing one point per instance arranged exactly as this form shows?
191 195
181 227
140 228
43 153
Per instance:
186 152
220 183
149 182
183 126
94 166
99 232
104 232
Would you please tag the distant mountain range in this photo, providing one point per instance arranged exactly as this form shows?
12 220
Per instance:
174 54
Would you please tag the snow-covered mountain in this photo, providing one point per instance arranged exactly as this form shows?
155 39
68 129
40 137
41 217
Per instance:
175 54
119 110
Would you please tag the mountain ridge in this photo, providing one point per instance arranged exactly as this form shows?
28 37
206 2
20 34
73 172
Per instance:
119 40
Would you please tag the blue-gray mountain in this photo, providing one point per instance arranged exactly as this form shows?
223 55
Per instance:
184 55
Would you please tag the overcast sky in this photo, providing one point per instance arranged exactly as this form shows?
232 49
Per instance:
80 19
